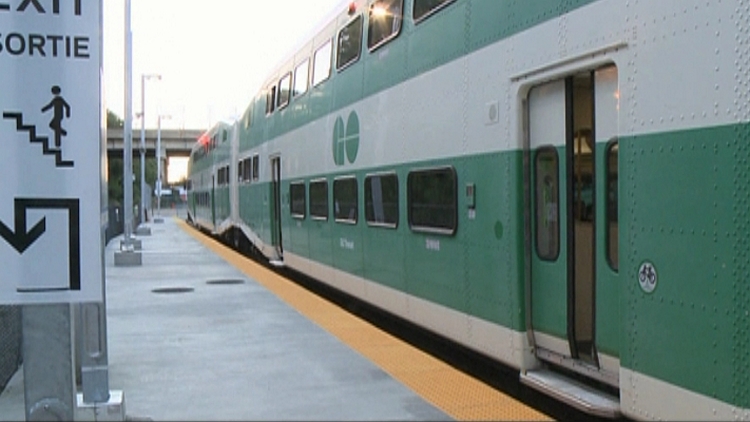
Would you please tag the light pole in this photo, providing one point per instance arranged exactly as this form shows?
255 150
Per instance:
158 166
129 254
144 77
127 178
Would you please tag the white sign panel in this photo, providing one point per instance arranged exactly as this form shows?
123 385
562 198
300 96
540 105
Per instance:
51 173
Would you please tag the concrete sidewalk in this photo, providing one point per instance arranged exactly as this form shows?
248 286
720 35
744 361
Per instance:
192 338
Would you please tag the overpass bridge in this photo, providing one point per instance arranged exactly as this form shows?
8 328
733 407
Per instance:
174 143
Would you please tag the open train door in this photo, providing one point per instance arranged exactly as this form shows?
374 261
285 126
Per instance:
276 208
213 201
566 204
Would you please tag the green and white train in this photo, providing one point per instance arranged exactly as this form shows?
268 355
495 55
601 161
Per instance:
563 186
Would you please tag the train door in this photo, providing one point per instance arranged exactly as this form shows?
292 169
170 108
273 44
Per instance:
213 201
565 203
276 205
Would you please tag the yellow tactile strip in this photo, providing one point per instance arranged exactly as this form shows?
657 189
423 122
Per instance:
452 391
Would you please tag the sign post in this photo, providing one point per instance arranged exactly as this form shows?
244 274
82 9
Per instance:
53 194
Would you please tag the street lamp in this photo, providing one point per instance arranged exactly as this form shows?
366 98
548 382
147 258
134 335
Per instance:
158 165
144 77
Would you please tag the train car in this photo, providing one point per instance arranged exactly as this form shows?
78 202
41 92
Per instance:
209 182
559 185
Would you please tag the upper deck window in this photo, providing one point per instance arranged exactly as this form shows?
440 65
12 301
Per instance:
247 118
285 89
271 99
301 78
322 64
384 22
425 8
349 43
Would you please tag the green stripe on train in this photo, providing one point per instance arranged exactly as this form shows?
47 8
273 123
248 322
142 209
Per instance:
684 208
477 271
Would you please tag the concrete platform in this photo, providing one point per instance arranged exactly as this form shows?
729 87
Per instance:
192 338
143 231
128 259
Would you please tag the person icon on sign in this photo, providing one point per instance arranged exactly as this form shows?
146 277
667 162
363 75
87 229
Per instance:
58 104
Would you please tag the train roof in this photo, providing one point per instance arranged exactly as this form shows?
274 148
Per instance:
323 31
205 137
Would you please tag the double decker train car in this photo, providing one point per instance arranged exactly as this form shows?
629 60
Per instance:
209 181
563 186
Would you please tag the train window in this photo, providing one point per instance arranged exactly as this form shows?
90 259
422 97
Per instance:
240 170
247 118
245 169
285 89
381 200
384 22
433 200
349 43
613 228
298 200
301 78
319 199
345 200
547 194
222 176
224 135
256 167
425 8
270 99
322 64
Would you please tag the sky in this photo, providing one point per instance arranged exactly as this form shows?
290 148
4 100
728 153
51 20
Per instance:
212 55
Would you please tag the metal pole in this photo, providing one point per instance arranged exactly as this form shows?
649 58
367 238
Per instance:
143 149
92 319
90 334
127 152
158 166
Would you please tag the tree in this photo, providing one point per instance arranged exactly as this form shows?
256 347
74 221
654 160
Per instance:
114 180
115 177
114 121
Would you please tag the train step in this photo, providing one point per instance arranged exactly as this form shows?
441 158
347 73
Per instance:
574 393
276 263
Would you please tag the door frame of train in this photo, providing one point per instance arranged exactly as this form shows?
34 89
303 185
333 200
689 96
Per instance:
276 239
213 200
562 349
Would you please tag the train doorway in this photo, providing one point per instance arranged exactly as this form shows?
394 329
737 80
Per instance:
276 205
566 199
213 201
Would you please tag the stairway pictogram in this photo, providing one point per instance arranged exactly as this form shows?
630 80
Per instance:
33 138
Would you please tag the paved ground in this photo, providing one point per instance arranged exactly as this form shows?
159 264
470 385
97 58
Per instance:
228 351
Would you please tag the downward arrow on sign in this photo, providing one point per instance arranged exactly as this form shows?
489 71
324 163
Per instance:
20 239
